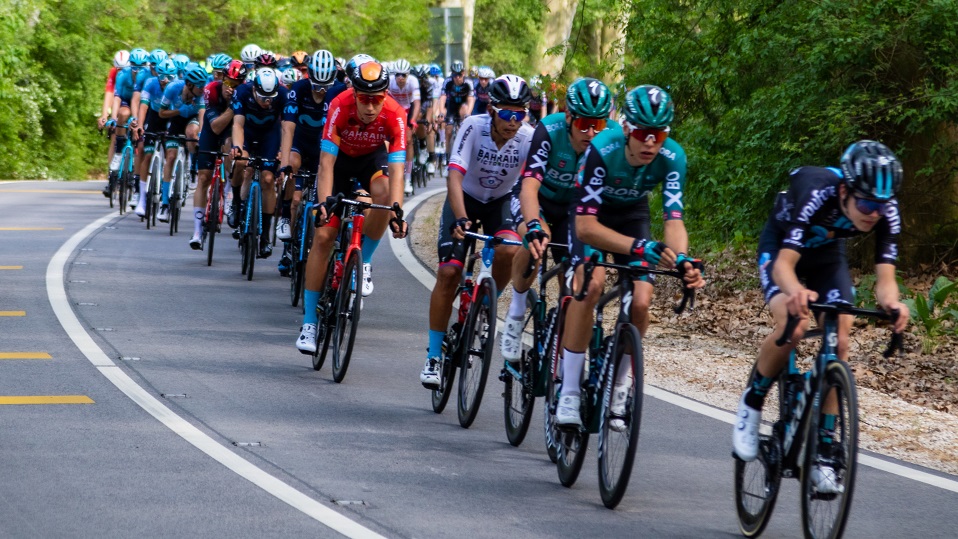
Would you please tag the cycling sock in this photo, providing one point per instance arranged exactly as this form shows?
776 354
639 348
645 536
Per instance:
571 372
435 343
142 193
624 374
517 309
198 220
755 396
827 431
164 189
369 247
310 300
287 207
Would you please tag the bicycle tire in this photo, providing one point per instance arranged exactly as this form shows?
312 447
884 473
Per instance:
323 326
121 195
553 359
174 194
518 398
571 447
757 483
838 376
212 221
478 341
252 241
111 187
614 474
348 306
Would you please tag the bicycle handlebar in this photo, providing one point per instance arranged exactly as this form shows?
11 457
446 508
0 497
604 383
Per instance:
532 261
494 240
894 345
688 294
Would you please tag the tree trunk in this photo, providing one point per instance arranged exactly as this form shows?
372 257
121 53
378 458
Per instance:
558 26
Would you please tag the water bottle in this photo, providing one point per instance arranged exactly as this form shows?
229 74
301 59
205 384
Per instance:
337 274
465 299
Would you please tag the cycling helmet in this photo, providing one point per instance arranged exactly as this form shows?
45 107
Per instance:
322 67
157 56
121 59
486 72
588 98
435 70
195 75
139 57
180 61
401 67
219 62
284 63
166 69
370 77
289 76
355 62
250 52
871 170
236 70
473 71
509 90
649 106
299 58
265 83
457 67
265 59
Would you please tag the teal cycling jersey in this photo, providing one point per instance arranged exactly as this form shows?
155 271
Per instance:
553 161
129 81
173 100
606 179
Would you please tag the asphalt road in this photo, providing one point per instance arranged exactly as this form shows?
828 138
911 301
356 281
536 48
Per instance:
218 353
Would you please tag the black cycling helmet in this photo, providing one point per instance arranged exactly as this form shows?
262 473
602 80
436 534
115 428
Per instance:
510 90
369 77
457 67
871 170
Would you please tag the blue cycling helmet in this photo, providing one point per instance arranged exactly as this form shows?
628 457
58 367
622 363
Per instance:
219 62
166 69
139 57
195 75
157 56
435 70
180 61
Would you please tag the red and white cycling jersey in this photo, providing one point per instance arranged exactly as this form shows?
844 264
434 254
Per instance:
345 132
488 172
407 94
111 80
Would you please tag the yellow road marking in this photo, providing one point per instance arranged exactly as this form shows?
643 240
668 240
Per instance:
47 399
58 191
25 228
25 355
10 267
13 313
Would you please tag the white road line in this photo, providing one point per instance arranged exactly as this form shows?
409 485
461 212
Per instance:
203 442
422 274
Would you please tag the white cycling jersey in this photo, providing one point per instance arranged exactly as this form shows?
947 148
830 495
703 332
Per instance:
407 94
436 88
488 172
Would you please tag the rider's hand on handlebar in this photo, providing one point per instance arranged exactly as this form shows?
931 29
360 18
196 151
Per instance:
798 301
459 228
654 252
398 226
322 215
693 275
536 239
236 151
903 314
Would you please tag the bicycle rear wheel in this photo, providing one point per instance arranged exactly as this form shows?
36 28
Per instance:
519 399
112 187
824 514
348 307
619 430
479 337
174 196
447 369
757 482
327 320
552 367
123 195
212 219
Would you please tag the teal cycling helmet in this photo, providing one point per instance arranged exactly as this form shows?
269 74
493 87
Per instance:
649 106
157 56
219 62
166 69
139 57
180 61
588 98
195 75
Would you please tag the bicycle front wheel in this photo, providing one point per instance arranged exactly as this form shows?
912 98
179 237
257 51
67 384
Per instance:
519 399
326 316
447 369
478 340
348 306
827 498
112 187
552 367
619 425
122 195
757 482
252 239
212 219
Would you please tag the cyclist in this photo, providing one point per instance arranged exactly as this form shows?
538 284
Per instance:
537 105
183 106
802 259
541 199
361 121
126 99
121 60
181 61
213 137
303 121
218 65
262 103
289 76
435 92
481 91
456 99
300 60
248 56
619 168
485 164
151 99
405 90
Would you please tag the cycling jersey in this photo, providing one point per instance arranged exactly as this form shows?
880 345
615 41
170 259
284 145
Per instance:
482 98
111 80
606 179
435 84
809 216
552 160
344 132
456 94
426 86
152 94
173 100
244 104
128 83
406 95
215 100
308 115
488 172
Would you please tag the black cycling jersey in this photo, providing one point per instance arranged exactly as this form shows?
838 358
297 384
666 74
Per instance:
456 94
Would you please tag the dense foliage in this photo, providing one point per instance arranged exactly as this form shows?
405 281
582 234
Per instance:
55 54
506 35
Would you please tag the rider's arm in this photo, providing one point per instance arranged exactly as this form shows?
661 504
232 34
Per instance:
287 142
141 114
116 107
460 160
107 104
397 150
200 116
238 136
529 198
454 193
470 100
783 271
589 189
135 103
415 109
886 293
324 176
675 235
220 122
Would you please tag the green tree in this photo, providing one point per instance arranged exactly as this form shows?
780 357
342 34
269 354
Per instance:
506 35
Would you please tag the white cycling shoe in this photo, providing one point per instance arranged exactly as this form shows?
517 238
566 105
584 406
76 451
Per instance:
511 343
306 343
567 412
429 377
620 397
745 431
367 279
282 229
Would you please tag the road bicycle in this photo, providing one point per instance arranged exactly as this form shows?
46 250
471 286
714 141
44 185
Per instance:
341 297
251 228
796 441
154 178
527 379
302 237
179 188
618 430
121 185
215 204
469 342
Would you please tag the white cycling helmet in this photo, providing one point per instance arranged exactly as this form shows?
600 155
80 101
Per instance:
322 67
486 72
121 59
290 75
250 52
401 67
266 83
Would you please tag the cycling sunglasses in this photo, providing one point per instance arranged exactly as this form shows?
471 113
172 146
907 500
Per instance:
317 87
166 78
868 206
231 83
642 133
509 115
371 99
264 98
585 124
